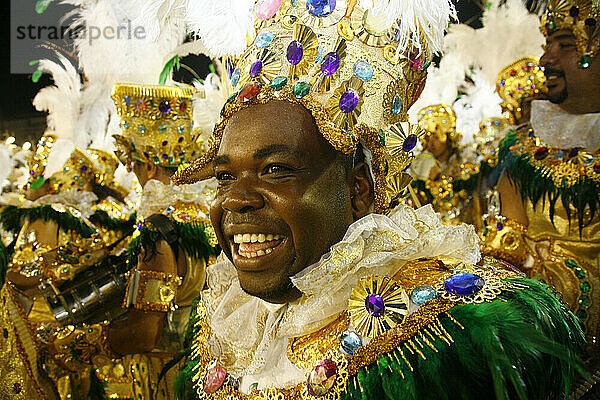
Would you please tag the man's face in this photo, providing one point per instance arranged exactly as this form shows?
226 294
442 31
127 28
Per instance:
283 196
437 144
563 76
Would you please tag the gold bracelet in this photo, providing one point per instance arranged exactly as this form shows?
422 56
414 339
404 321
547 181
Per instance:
151 290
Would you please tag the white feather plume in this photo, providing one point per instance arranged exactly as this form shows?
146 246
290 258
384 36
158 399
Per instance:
62 101
509 32
223 26
208 104
429 17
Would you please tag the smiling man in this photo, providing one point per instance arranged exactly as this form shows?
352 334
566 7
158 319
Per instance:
550 191
324 290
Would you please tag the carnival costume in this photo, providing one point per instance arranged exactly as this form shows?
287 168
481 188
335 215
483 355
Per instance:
375 319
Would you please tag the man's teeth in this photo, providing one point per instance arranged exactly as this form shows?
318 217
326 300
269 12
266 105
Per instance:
255 237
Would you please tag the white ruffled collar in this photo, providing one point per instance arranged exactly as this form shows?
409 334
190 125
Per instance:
251 337
156 196
558 128
78 204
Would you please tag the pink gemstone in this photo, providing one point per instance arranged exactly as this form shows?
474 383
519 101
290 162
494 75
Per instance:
214 378
322 378
266 9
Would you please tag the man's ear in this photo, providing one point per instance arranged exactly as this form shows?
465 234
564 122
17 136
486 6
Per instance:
362 194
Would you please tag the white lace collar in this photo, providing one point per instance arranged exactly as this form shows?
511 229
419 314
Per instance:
251 339
156 196
561 129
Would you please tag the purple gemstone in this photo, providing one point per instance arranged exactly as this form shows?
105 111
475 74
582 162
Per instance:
348 101
375 305
410 142
330 64
574 12
164 107
83 168
590 22
499 226
573 153
256 68
294 52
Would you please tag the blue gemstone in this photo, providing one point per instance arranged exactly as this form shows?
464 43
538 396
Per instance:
162 129
256 68
320 8
126 124
350 342
349 101
263 39
127 100
397 105
464 284
294 52
181 129
330 63
410 142
421 294
141 128
363 70
235 77
320 52
375 305
559 155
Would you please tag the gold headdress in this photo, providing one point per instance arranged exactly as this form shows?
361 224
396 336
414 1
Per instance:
582 17
76 171
357 75
156 124
439 120
520 80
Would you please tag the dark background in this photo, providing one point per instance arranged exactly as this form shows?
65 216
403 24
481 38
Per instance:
18 117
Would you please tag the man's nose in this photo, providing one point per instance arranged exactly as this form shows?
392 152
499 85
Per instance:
242 197
548 59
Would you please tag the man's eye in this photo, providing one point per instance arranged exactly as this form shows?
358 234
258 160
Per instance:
224 176
274 168
566 45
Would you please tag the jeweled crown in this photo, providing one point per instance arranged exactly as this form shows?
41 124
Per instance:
356 78
156 124
77 172
521 80
38 161
582 17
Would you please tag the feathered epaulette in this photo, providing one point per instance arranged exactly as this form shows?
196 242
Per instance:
12 219
439 329
183 225
546 173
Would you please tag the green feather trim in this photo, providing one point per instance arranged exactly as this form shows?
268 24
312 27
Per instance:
101 218
522 345
96 391
535 184
191 239
12 219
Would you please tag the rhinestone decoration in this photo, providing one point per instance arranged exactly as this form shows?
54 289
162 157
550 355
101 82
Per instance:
235 77
349 101
256 68
301 89
320 8
330 63
350 342
263 39
164 107
322 378
215 376
363 70
464 284
423 293
294 52
279 82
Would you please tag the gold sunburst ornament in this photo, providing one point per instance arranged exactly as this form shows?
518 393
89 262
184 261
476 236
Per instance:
345 104
376 305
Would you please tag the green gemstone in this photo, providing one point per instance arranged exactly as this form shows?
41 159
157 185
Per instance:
232 97
571 263
580 273
396 104
584 301
301 89
382 137
171 159
582 315
585 286
585 61
551 25
485 231
162 128
156 160
279 82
